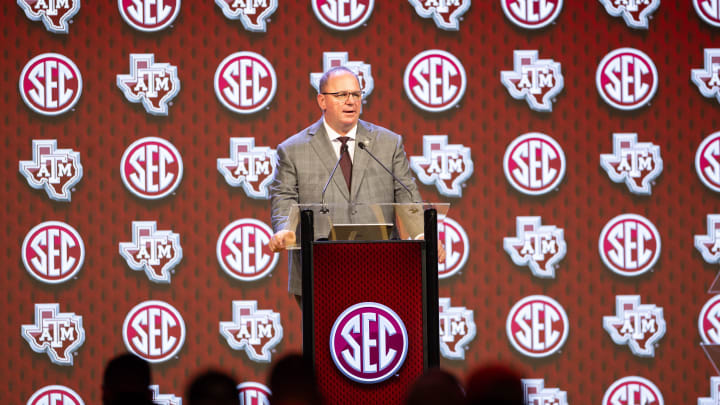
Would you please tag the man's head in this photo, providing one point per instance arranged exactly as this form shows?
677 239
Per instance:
341 113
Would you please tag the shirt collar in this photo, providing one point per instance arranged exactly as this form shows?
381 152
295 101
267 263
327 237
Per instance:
333 135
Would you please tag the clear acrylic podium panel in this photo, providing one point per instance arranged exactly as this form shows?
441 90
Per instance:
360 221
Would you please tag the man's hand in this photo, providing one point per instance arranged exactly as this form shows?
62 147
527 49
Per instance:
282 239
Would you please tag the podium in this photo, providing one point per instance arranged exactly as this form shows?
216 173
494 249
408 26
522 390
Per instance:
370 297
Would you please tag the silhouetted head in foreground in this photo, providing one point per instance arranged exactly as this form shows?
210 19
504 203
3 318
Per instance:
126 381
494 384
436 387
292 382
212 388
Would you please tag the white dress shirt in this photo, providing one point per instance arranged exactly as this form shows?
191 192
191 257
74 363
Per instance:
336 144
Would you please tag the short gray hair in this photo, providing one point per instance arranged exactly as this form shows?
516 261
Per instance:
334 70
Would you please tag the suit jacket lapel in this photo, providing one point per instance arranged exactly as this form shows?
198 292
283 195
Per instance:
325 152
361 158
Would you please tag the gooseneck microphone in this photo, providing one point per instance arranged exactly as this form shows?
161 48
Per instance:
363 147
343 149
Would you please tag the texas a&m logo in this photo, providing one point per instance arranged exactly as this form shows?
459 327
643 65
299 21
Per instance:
637 164
537 326
149 15
255 331
534 164
457 330
636 13
531 14
152 84
152 251
633 390
361 69
53 252
707 79
163 399
709 245
368 342
50 84
252 393
445 13
626 79
714 398
253 14
709 321
435 80
640 326
59 334
245 82
250 167
708 10
457 247
343 15
55 395
151 168
154 331
707 161
540 247
535 393
54 14
537 81
55 170
445 166
629 245
243 252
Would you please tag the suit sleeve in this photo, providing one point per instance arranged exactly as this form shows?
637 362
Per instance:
401 169
283 189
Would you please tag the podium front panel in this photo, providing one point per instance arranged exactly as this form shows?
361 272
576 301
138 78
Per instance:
346 274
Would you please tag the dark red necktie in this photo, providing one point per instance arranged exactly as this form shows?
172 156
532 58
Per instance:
345 161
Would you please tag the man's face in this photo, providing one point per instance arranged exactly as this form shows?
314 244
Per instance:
341 114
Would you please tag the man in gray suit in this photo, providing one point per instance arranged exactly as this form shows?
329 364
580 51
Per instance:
306 159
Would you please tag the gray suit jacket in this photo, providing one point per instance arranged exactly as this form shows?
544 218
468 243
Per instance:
305 161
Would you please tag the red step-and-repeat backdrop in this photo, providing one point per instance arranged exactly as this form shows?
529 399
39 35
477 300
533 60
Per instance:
577 141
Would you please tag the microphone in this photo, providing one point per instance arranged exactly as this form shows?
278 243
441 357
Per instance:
324 209
362 146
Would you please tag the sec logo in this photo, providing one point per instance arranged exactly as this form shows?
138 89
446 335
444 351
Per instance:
531 14
708 10
629 245
245 82
243 252
154 331
709 321
457 247
252 393
537 326
50 84
534 164
368 342
53 252
633 390
626 79
343 15
149 15
435 80
55 395
707 162
151 168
